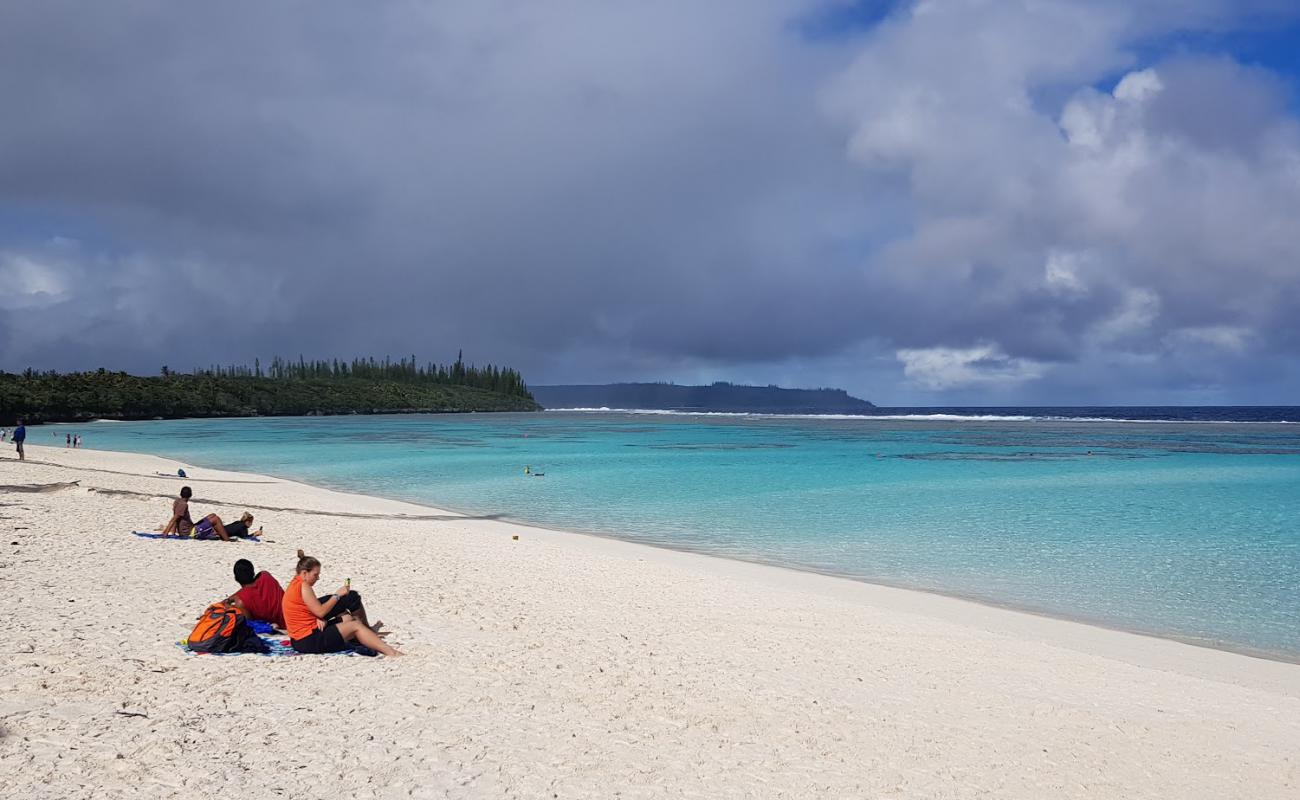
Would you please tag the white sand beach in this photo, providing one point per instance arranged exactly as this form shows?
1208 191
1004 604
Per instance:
561 665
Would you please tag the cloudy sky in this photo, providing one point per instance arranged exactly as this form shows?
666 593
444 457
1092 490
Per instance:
933 202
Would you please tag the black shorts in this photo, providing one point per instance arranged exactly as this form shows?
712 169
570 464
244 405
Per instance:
328 640
347 604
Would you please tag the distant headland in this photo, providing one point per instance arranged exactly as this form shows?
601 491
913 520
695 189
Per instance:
718 397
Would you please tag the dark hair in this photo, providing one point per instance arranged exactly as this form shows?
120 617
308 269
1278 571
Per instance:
187 492
306 563
244 572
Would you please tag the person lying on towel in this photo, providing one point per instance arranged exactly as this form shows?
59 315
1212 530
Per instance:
240 528
211 527
325 624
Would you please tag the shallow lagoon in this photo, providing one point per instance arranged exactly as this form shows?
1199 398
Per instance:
1177 529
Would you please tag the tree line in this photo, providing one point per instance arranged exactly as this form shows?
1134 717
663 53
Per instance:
284 387
490 377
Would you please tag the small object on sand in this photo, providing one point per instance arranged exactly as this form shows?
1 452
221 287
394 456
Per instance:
515 537
180 473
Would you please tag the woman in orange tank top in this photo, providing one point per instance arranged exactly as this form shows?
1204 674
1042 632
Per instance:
309 619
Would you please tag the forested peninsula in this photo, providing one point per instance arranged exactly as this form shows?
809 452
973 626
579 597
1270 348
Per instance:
284 388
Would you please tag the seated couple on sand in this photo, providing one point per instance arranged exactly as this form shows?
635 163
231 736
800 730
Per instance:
210 527
324 624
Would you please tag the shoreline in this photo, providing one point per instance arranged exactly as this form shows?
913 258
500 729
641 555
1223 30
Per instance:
565 663
1227 647
951 606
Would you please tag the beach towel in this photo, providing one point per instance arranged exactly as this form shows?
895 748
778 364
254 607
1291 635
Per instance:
276 645
145 535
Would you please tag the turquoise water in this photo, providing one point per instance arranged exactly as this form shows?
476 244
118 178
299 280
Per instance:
1176 529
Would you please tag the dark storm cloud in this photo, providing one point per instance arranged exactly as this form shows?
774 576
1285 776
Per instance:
421 177
621 190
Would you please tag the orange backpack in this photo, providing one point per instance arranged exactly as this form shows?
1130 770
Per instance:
222 628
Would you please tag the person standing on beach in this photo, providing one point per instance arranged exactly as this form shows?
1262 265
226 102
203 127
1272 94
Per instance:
67 440
20 436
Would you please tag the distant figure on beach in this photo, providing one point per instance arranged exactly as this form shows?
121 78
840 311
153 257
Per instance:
67 440
326 624
76 441
20 436
180 523
261 595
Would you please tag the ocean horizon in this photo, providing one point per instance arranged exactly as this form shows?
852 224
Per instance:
1125 517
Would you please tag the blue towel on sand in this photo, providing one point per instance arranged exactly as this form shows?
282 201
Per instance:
276 645
144 535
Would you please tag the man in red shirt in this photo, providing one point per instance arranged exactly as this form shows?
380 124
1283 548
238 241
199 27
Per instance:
260 594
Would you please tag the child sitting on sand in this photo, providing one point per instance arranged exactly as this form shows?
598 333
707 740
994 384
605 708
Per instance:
261 595
311 620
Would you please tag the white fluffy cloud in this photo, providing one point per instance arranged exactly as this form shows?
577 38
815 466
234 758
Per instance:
1086 231
948 367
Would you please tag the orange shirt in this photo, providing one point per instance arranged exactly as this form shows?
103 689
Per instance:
298 619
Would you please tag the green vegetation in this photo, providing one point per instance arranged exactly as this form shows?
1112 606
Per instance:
286 388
